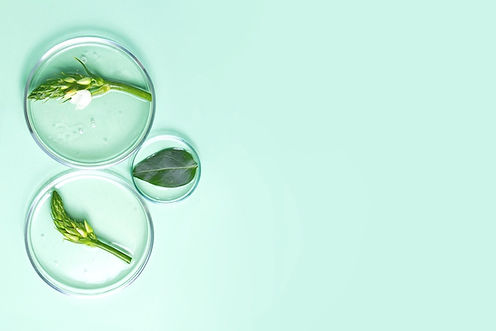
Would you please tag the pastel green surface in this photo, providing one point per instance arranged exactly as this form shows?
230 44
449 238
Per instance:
348 180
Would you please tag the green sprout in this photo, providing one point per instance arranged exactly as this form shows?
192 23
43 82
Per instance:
79 232
80 89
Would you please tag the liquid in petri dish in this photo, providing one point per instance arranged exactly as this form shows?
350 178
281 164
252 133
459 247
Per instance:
111 126
118 217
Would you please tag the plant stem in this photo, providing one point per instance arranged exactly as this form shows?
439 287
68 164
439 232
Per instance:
124 257
130 89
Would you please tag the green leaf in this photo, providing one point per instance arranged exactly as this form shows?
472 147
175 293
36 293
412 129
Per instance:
170 167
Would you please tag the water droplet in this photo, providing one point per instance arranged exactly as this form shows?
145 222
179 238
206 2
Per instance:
42 234
80 130
83 59
85 270
92 122
105 140
60 128
120 112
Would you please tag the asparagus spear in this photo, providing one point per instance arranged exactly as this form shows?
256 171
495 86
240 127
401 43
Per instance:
80 89
79 232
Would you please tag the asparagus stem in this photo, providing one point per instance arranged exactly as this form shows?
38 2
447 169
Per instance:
79 232
130 89
124 257
66 86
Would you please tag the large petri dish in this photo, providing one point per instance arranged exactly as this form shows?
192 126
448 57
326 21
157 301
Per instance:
111 127
118 216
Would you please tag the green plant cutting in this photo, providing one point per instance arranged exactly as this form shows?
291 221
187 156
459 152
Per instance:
80 89
169 167
79 232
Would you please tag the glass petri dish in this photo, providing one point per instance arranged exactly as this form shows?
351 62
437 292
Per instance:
119 218
111 127
163 194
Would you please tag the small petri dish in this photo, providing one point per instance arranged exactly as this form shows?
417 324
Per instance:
112 126
158 193
119 218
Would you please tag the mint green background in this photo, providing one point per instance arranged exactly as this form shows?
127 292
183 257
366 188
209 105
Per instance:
348 171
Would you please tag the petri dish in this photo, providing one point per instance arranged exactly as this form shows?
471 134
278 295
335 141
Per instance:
119 218
111 127
163 194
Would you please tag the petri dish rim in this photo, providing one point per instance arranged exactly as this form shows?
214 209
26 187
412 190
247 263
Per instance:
85 165
176 139
72 174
